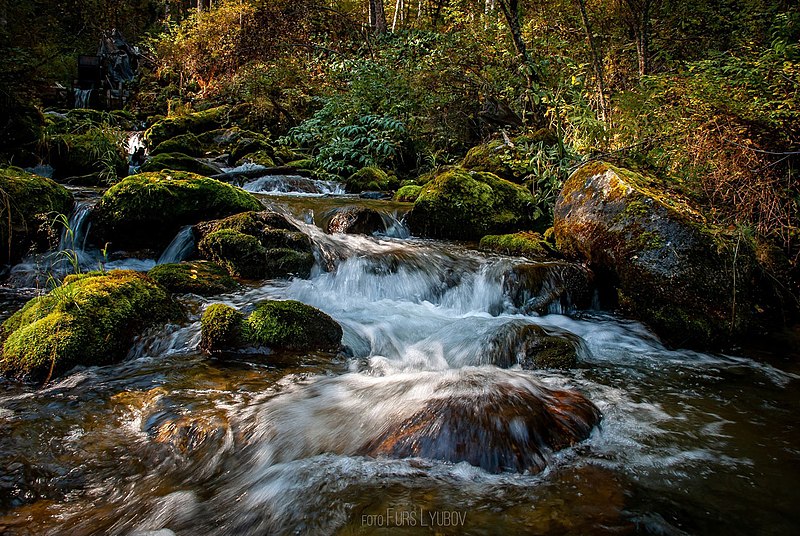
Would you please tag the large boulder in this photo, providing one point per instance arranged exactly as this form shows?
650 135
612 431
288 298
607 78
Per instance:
549 287
408 193
28 207
256 245
690 280
273 325
146 210
192 123
463 205
89 320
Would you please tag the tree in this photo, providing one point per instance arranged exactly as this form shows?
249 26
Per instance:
636 14
377 16
597 60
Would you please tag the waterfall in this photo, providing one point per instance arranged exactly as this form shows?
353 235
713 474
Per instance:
180 247
82 98
74 237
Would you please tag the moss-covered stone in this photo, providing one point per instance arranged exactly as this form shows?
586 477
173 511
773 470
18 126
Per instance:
369 179
408 193
533 347
94 157
146 210
195 277
690 280
549 287
272 230
261 158
241 254
28 206
276 325
22 124
178 162
510 161
464 205
187 144
523 244
89 320
192 123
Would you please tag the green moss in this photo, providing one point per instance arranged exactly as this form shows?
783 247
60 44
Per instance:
178 162
187 144
193 123
282 262
278 325
89 320
148 209
222 327
524 244
196 277
462 205
28 206
241 254
261 158
408 193
97 155
368 178
304 163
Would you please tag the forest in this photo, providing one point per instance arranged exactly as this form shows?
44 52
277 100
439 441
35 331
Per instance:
414 266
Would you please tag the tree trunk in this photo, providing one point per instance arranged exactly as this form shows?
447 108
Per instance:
638 19
510 9
597 60
377 16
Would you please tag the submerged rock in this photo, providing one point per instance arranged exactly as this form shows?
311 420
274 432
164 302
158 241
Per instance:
689 280
493 419
195 277
146 210
356 220
462 205
28 209
89 320
534 347
256 245
549 287
273 325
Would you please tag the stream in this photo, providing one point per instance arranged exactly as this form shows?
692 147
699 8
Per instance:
169 441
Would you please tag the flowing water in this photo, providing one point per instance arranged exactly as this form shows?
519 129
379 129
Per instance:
172 442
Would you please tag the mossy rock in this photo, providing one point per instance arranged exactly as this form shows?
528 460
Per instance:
464 205
370 178
261 158
187 144
241 254
549 287
195 277
408 193
522 244
29 205
178 162
93 158
90 320
146 210
276 325
284 155
534 347
272 230
509 161
22 124
192 123
690 280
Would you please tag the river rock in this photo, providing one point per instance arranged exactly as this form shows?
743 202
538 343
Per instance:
179 162
89 320
549 287
505 427
356 220
691 281
256 245
27 212
193 123
508 159
369 178
194 277
146 210
273 325
463 205
94 157
523 244
534 347
408 193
